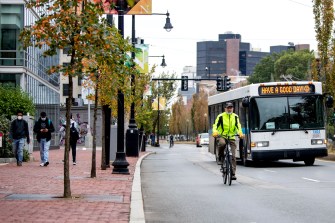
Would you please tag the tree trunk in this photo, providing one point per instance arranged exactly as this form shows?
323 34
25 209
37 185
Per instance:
94 150
103 151
67 183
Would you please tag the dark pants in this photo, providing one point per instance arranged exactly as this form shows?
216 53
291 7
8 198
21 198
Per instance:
73 145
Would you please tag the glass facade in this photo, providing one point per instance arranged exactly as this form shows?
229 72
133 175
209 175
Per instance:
13 17
27 68
213 55
31 64
11 21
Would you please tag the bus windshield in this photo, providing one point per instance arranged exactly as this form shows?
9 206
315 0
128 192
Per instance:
286 113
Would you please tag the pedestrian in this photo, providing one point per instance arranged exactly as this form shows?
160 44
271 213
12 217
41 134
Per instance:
226 125
18 134
74 136
43 129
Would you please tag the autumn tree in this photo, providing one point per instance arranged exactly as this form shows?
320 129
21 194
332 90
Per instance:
161 89
177 119
79 27
324 69
199 112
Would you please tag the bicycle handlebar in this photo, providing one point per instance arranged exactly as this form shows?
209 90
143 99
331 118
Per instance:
220 136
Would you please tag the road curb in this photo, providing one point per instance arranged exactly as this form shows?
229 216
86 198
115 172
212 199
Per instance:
136 200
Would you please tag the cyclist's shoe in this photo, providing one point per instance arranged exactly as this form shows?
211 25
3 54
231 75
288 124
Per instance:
233 177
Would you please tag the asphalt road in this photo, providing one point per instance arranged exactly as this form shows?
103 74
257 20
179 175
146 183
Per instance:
183 184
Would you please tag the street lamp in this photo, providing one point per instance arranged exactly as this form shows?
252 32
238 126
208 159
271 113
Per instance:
132 136
168 26
120 163
163 64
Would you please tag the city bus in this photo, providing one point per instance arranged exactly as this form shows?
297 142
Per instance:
280 120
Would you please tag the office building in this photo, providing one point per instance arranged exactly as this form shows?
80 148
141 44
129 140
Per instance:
27 68
227 56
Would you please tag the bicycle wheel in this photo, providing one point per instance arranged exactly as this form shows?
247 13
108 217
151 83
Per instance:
224 169
229 169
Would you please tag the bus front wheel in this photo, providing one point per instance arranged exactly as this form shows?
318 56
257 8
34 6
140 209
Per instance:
309 161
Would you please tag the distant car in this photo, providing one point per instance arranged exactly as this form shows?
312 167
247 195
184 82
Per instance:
202 139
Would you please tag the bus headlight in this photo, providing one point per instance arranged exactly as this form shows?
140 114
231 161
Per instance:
260 144
317 141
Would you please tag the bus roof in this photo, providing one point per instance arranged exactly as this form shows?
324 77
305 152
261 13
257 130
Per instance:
253 90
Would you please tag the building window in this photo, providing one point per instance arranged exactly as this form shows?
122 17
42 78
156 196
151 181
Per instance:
66 50
65 89
11 23
79 81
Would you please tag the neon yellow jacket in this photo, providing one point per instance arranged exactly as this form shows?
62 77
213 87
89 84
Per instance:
227 125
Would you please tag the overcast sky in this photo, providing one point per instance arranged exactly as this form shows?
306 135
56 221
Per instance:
262 23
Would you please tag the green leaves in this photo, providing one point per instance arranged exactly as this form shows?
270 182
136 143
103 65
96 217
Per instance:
14 99
294 63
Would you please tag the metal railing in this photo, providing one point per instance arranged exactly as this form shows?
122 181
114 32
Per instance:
17 58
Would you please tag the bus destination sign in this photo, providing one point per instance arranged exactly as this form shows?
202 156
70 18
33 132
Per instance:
286 89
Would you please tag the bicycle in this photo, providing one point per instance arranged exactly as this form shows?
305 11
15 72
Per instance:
171 143
226 165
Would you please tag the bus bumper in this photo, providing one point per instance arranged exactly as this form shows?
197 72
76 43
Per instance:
295 154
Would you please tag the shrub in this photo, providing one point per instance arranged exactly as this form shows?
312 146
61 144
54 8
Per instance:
26 157
6 149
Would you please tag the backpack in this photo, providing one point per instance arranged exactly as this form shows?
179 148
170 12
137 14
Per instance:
74 134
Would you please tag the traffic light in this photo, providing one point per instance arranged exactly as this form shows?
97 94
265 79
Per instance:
227 83
184 83
219 84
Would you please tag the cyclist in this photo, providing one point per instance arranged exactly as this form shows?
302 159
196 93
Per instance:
227 124
171 141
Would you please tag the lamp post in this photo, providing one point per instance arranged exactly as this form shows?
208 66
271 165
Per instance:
132 136
158 110
187 129
208 71
120 163
205 115
132 131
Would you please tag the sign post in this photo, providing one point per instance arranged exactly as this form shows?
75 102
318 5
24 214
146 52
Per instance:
1 134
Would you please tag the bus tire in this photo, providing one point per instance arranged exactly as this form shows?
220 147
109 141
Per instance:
309 161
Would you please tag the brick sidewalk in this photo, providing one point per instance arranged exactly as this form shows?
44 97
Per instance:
33 194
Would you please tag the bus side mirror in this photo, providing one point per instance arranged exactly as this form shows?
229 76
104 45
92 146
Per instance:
245 102
329 101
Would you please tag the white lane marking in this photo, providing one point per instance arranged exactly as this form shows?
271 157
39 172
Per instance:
270 171
305 178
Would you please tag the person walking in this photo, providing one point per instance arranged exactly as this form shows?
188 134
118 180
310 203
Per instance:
227 124
74 136
43 129
18 133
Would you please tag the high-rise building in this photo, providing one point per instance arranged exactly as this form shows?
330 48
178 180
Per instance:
227 56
